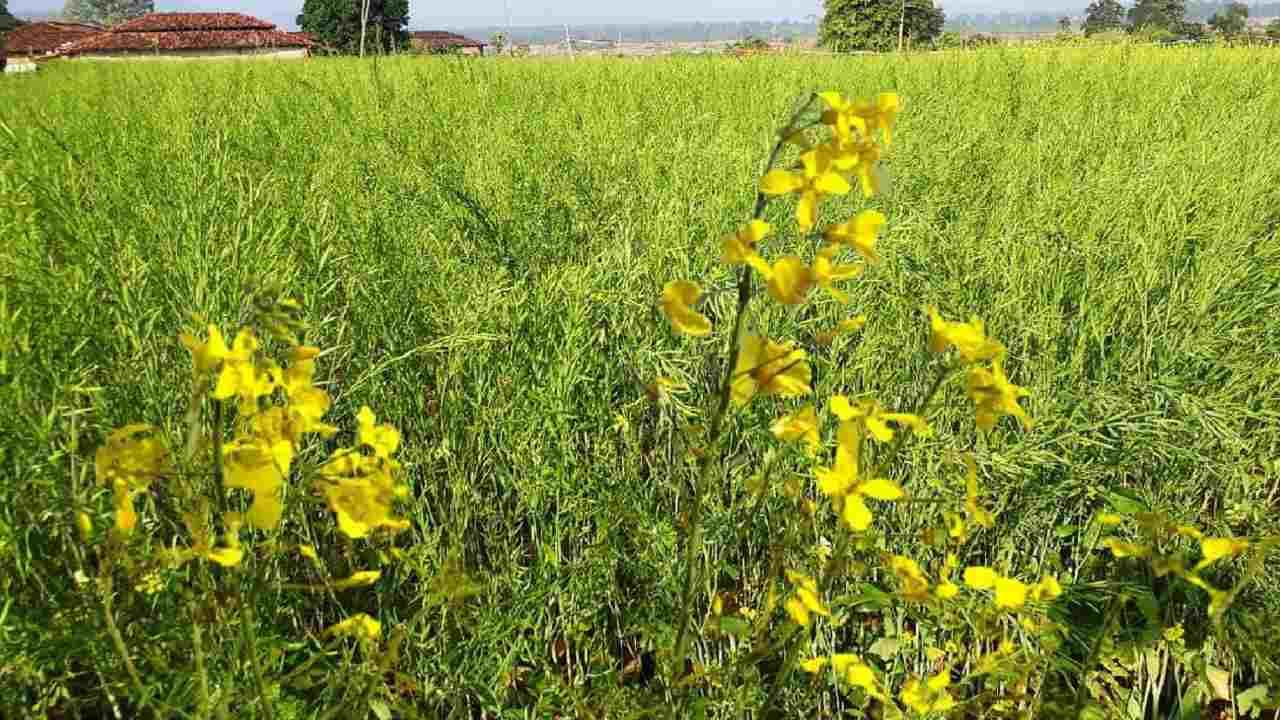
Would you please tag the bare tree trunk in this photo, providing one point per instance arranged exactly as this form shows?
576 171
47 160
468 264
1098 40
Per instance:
902 24
364 23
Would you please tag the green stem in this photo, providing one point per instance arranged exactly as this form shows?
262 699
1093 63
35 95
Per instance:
202 677
694 541
118 640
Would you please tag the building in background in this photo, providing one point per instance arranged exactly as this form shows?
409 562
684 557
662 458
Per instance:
191 36
439 41
36 42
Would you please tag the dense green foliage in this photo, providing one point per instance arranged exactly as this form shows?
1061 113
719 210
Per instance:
480 244
1231 21
1103 16
876 24
7 21
106 12
1157 14
336 24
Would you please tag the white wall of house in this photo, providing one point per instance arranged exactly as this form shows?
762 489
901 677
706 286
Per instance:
19 65
235 54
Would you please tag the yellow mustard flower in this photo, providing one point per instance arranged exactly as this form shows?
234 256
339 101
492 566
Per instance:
826 272
768 368
980 577
806 600
207 354
818 178
84 524
229 555
1214 549
799 425
1121 549
1045 590
359 626
969 339
843 327
881 114
869 414
741 247
307 403
132 454
790 280
842 482
128 462
126 518
361 492
930 696
976 513
859 234
946 590
358 579
1010 593
993 395
382 439
678 298
242 378
261 467
915 584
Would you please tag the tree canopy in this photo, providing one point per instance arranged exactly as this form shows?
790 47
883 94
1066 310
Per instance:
1103 16
874 24
1158 14
7 21
1231 20
106 12
336 23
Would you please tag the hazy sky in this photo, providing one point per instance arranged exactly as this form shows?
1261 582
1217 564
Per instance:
439 14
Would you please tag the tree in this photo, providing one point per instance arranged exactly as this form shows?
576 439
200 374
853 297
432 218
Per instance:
1064 24
337 23
1103 16
1273 29
1158 15
878 24
106 12
7 21
1230 21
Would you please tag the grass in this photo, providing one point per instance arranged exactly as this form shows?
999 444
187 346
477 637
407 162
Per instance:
480 244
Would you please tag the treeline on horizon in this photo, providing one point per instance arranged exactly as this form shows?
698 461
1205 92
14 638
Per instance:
792 30
781 31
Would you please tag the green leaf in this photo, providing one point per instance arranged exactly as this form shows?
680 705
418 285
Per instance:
1190 707
1253 700
1065 531
380 709
1126 502
736 626
885 648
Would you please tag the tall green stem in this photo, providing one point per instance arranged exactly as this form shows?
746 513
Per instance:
693 545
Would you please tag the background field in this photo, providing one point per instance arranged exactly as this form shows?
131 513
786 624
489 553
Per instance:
481 244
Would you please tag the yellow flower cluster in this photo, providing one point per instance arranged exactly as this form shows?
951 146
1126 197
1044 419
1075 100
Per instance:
361 487
127 463
764 366
1156 529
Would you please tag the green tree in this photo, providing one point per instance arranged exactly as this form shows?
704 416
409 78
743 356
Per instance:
1273 29
1230 21
877 24
1158 15
106 12
1064 24
1103 16
7 21
336 23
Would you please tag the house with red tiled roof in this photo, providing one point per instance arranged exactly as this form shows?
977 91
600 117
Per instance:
440 41
32 42
190 36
